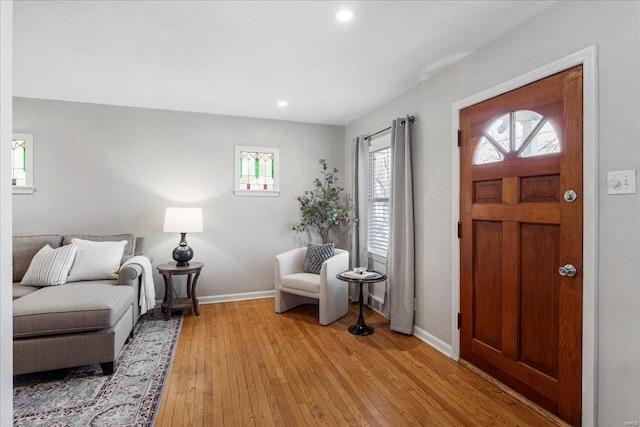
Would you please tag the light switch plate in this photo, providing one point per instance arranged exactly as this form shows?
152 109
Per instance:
621 182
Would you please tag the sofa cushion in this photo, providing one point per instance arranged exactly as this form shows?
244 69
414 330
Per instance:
307 282
96 260
74 307
25 248
50 267
21 290
129 249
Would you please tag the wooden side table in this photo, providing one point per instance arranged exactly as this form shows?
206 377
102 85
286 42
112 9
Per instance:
170 303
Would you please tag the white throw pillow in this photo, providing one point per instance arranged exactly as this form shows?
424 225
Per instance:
96 260
50 267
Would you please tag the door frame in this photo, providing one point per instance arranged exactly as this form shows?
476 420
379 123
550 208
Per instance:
588 59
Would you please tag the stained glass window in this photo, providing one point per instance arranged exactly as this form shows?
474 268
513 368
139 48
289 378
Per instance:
256 171
22 163
19 162
524 133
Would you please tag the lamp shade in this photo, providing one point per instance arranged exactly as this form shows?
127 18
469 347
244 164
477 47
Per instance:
183 220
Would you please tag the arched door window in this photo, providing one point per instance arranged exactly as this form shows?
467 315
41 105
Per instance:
524 133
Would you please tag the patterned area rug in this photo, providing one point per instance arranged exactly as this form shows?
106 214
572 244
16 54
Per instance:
85 397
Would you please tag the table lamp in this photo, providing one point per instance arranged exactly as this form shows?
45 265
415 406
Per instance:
183 221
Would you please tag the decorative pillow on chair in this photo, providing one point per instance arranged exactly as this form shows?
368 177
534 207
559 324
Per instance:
96 260
50 267
316 255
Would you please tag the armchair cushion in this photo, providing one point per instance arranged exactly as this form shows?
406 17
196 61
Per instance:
316 255
307 282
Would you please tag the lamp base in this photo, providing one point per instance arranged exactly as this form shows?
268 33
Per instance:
183 253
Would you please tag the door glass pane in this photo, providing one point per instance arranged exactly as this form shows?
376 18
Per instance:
486 152
499 131
525 122
523 132
545 141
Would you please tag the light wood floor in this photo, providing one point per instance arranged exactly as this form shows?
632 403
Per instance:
241 364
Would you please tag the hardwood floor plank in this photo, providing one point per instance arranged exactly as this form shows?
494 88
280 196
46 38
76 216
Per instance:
241 364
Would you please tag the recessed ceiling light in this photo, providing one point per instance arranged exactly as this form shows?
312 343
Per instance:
344 15
282 103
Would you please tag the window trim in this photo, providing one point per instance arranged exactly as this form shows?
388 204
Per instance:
30 187
238 191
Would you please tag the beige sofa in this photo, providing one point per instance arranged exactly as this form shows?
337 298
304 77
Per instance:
75 324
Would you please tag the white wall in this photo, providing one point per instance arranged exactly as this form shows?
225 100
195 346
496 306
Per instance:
6 320
562 29
103 169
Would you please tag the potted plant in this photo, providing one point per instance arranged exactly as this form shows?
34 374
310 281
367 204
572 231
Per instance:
321 208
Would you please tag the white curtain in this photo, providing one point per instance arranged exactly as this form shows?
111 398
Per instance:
400 288
359 254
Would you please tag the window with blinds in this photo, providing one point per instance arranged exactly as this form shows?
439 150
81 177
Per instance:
379 187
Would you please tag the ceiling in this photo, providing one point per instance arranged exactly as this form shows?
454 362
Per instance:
241 57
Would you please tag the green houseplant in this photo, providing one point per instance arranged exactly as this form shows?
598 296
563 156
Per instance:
321 208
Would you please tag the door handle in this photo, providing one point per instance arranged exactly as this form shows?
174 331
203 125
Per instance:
567 270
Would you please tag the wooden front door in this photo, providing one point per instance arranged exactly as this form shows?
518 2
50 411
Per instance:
521 313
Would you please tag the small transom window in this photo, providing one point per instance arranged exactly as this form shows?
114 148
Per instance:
524 133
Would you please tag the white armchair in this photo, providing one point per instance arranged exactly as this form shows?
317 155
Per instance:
294 287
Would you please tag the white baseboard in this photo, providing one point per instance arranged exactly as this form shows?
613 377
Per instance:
214 299
433 341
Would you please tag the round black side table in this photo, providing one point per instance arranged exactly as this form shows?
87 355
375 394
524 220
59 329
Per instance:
361 328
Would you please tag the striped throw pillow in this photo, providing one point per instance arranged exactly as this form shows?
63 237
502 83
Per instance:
316 255
50 267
